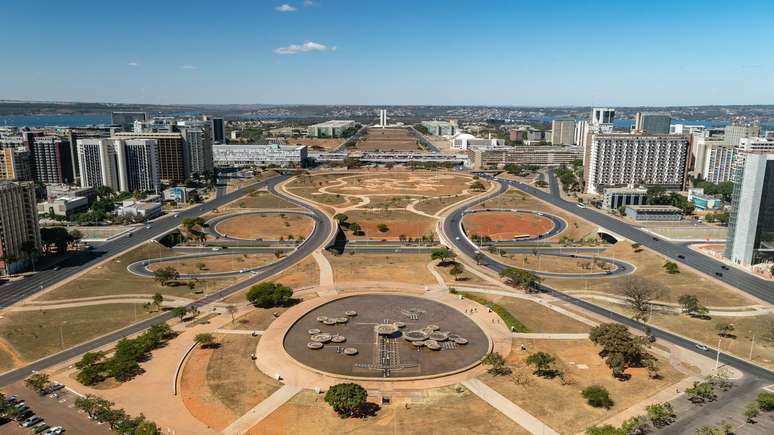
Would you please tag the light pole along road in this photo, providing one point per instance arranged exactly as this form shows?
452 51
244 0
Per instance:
452 232
320 235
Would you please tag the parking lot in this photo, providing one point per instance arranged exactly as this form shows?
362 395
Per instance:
58 410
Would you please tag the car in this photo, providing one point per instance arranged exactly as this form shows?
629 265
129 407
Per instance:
11 399
241 271
56 268
681 256
20 405
702 347
216 249
719 274
176 215
655 239
129 235
25 414
651 338
32 421
724 267
56 430
55 387
456 238
147 227
580 205
41 427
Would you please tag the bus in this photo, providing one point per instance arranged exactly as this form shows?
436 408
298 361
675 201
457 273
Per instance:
522 237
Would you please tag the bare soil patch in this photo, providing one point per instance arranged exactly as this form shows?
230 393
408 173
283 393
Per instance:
389 139
442 410
500 225
266 226
260 199
417 183
318 144
562 406
434 205
302 274
552 263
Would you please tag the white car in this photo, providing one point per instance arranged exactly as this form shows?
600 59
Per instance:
35 419
702 347
147 227
56 430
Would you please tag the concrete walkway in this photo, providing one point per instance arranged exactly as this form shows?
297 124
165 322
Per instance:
508 408
326 273
238 331
550 336
262 410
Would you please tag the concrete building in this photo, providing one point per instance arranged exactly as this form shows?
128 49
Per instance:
751 222
65 206
126 119
654 212
745 146
718 161
260 155
499 156
138 165
139 210
617 197
15 163
334 128
218 130
98 163
19 231
198 150
563 131
383 118
733 134
54 191
178 193
652 122
52 161
173 166
615 160
462 141
440 128
702 201
602 115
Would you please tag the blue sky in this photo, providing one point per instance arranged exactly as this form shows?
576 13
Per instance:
389 52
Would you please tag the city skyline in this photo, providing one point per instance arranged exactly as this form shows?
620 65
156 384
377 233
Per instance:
433 53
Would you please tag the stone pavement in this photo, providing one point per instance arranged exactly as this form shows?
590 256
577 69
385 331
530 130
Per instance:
262 410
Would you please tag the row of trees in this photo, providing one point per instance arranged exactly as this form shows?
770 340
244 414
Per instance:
118 420
657 416
123 365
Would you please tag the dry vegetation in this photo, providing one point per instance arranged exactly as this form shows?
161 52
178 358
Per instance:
385 268
266 226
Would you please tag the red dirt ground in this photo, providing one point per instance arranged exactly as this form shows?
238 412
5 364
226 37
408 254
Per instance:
500 225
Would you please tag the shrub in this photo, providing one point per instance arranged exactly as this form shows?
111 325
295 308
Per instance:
348 400
270 294
597 396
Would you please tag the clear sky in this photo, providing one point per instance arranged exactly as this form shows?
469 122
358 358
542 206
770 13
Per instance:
550 52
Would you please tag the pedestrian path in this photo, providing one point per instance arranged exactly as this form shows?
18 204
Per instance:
326 273
508 408
262 410
238 331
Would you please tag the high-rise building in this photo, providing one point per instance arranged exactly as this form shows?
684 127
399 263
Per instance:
173 167
652 122
602 115
614 160
98 163
52 161
735 133
138 165
563 131
198 146
15 164
750 237
718 162
383 118
19 231
126 119
218 130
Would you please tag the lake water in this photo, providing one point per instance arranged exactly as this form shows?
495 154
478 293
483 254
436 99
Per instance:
54 120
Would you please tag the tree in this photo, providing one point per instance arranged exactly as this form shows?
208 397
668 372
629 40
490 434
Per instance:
765 401
270 294
519 278
157 300
346 399
620 348
443 254
180 312
751 411
725 330
543 363
205 340
691 306
640 294
341 218
383 228
671 267
357 230
456 271
701 392
232 309
497 362
38 382
56 236
597 396
661 414
165 275
477 186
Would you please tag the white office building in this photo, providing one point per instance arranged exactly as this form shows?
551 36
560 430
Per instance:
98 164
614 160
563 131
718 162
260 155
138 165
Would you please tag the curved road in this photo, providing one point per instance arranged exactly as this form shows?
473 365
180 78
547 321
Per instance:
452 232
320 236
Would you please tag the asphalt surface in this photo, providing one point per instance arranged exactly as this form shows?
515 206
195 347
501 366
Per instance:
451 230
15 291
315 240
750 284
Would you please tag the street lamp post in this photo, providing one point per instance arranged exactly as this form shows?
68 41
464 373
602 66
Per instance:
717 357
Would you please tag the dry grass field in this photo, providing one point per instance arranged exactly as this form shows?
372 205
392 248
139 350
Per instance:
421 183
260 199
266 226
302 274
448 410
389 139
562 406
385 268
219 263
538 318
398 223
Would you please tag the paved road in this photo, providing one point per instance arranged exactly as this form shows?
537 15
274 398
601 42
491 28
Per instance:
753 285
315 240
451 229
13 292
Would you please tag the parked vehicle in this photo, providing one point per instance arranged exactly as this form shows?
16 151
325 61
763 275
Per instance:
55 387
56 430
580 205
41 427
32 421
